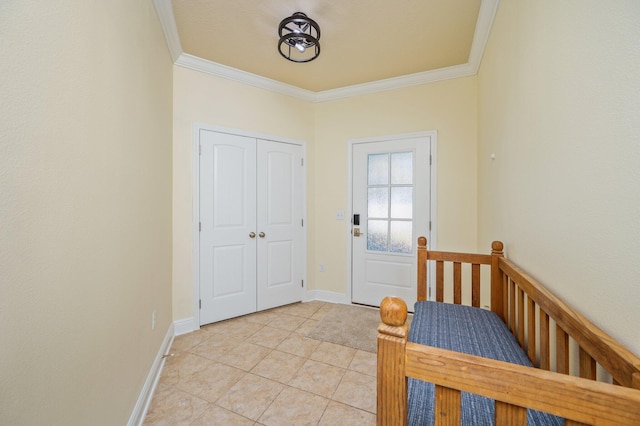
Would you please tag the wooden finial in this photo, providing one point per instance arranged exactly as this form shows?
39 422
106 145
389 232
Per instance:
393 311
497 247
422 241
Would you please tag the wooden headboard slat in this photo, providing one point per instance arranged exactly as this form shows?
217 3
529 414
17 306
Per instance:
457 283
475 285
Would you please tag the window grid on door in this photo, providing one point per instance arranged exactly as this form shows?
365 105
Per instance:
390 202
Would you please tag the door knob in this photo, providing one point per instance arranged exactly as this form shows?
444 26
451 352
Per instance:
252 235
261 235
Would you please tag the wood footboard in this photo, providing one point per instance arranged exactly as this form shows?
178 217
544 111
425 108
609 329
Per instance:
531 312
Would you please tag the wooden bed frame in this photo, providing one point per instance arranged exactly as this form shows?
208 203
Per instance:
531 312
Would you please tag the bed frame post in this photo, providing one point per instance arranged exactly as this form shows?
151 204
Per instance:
497 304
392 380
423 283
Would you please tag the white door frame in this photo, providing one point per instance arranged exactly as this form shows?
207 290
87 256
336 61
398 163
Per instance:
197 127
433 135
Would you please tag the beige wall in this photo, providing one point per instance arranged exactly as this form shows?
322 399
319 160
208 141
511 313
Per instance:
450 107
559 93
85 208
205 99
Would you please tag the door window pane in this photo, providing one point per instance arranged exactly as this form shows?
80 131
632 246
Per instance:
402 202
378 169
402 168
390 202
401 240
377 235
378 203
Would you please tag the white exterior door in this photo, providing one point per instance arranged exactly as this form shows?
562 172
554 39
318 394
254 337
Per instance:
280 228
391 202
251 238
227 220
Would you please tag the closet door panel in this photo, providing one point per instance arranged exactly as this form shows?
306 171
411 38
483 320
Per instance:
227 196
280 213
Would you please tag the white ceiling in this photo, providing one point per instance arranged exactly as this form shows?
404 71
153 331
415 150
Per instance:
366 46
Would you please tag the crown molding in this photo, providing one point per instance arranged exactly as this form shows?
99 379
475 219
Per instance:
198 64
164 10
486 15
456 71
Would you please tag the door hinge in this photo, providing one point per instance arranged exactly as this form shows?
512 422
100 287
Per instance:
430 159
302 162
199 149
301 222
429 225
200 227
302 283
200 303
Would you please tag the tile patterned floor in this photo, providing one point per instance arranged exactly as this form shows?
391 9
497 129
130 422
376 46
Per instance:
260 369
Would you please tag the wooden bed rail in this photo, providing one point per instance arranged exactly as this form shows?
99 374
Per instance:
515 387
530 306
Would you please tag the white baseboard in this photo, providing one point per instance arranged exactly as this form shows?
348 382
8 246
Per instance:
184 326
144 399
327 296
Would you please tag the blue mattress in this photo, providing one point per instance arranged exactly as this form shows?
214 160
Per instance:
472 331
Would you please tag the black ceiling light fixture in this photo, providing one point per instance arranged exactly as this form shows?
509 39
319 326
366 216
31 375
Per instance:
299 37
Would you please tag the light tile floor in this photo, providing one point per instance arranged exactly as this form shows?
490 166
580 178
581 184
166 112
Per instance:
260 369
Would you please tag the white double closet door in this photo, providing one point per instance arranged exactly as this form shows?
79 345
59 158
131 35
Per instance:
251 248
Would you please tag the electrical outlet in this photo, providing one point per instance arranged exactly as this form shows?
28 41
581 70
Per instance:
340 215
153 319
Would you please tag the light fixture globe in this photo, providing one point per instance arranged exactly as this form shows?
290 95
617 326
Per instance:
299 37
